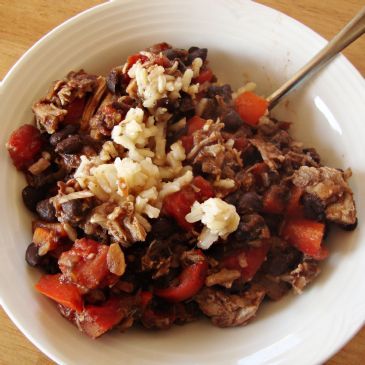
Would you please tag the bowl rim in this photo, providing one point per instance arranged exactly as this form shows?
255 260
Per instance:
71 21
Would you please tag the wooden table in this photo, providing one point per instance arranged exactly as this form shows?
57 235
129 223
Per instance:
24 21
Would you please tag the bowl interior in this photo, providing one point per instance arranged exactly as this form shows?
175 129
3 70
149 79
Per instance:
246 42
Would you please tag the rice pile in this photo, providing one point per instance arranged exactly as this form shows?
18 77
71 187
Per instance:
133 173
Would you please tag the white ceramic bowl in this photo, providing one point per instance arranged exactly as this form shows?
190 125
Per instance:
246 41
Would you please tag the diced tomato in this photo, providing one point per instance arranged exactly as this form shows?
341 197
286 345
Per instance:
62 292
100 319
294 208
195 123
205 189
188 143
162 61
248 260
75 110
191 280
306 235
23 145
145 298
178 204
86 264
205 76
159 47
273 200
250 107
131 60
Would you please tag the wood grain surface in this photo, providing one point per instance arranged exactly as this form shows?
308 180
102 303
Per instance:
23 22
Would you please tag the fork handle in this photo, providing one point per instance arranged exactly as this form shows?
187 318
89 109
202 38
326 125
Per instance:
353 30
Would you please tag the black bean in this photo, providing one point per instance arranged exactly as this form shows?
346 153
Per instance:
233 197
175 53
186 105
182 67
232 121
251 156
225 91
210 109
49 264
249 202
195 52
281 258
31 196
251 227
62 134
166 103
44 179
31 255
46 210
69 145
314 208
73 211
163 227
349 227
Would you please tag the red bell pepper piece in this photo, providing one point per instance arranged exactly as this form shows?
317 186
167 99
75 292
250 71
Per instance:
188 143
62 292
195 123
89 264
205 189
179 204
250 107
100 319
23 145
273 200
131 60
205 76
306 235
162 61
247 260
191 280
145 298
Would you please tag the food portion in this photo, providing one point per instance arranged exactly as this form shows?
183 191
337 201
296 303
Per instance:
161 195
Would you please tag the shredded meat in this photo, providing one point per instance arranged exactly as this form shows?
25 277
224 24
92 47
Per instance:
160 256
302 275
269 153
75 85
93 103
120 222
223 277
274 289
48 115
213 155
329 185
227 310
